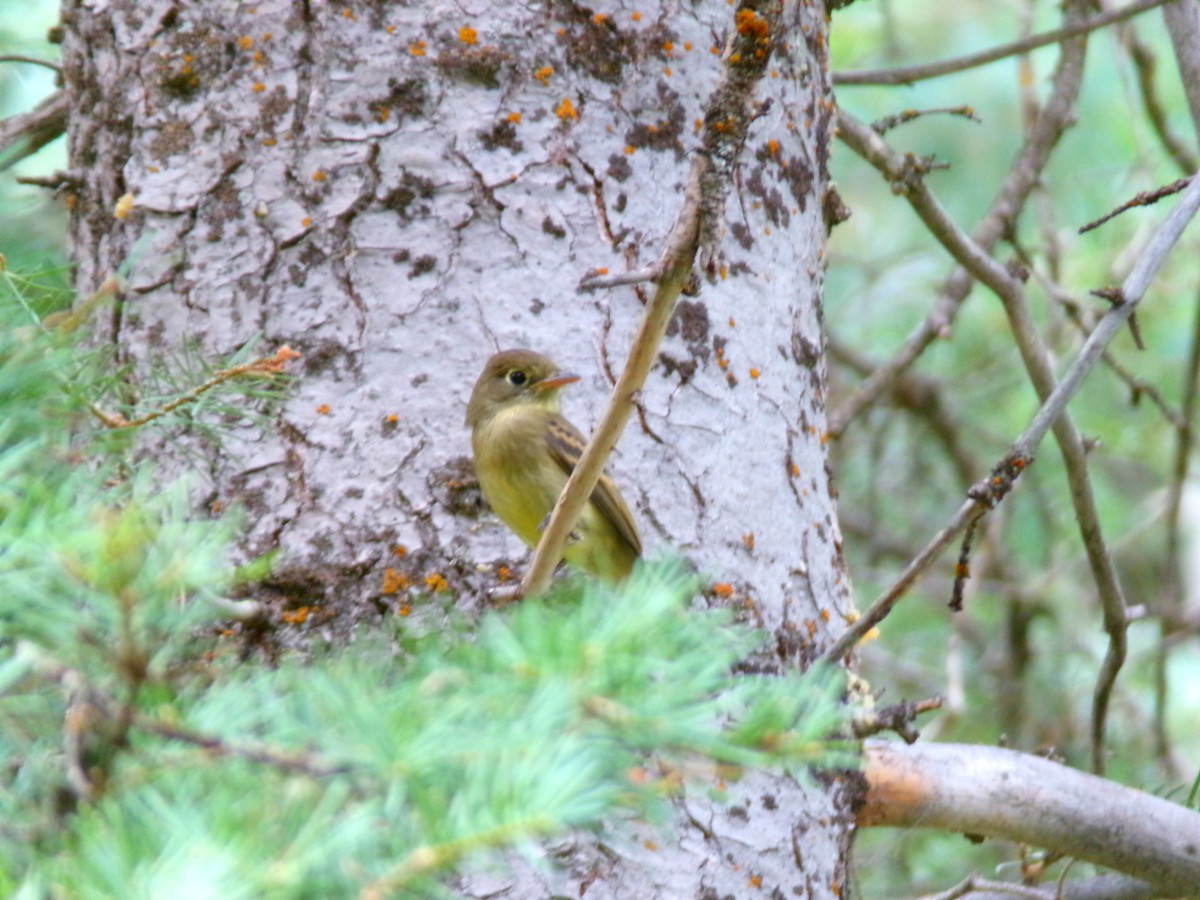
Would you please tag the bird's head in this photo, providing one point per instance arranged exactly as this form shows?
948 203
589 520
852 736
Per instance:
515 378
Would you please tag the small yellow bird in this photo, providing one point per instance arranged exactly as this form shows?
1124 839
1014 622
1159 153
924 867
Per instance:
524 452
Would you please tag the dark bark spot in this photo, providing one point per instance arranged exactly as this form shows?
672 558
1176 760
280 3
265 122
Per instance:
619 168
405 99
474 65
172 138
552 228
598 48
502 134
769 197
741 234
411 188
690 321
666 129
421 265
455 487
684 368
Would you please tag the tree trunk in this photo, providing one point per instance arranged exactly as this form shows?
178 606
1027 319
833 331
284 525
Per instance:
398 191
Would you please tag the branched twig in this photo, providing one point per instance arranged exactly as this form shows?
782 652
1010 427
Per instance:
23 135
887 123
1145 64
267 365
1145 198
1025 174
911 74
693 240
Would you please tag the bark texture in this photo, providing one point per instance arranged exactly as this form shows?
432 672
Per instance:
399 191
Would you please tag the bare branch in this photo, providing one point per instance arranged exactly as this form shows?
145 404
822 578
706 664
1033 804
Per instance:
911 74
31 60
23 135
1004 794
1055 117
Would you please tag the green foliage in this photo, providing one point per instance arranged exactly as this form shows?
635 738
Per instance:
143 759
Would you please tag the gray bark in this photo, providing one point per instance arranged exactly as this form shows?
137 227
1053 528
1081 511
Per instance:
397 199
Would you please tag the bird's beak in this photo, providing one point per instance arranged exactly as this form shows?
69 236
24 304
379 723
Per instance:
561 380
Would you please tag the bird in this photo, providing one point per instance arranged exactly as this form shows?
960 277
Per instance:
524 452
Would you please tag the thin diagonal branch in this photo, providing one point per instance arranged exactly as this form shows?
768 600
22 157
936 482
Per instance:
911 74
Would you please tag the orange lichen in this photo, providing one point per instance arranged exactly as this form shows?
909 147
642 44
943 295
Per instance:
687 45
400 550
417 48
391 29
637 17
306 222
668 47
319 175
405 610
323 409
124 207
795 470
504 573
258 87
383 114
245 42
468 35
773 147
296 617
436 582
732 322
748 540
649 844
723 589
600 18
216 506
756 881
566 109
514 117
543 74
751 24
630 149
392 418
667 71
754 373
394 582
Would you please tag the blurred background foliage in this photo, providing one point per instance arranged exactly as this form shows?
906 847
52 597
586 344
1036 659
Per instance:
897 481
1019 665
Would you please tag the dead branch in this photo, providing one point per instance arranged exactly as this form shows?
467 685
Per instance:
912 74
1018 797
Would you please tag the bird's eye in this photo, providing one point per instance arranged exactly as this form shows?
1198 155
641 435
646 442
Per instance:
516 377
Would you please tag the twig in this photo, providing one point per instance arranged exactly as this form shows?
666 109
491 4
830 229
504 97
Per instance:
255 752
1169 621
32 60
1183 27
1131 292
692 240
1145 65
23 135
1056 116
911 74
267 365
1143 198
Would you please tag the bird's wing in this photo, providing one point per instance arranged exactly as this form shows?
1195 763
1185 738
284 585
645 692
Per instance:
566 446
